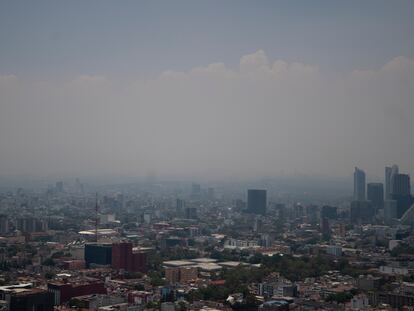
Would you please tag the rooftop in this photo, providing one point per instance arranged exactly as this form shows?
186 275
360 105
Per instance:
204 260
178 263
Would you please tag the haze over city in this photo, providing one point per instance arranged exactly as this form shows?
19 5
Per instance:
205 90
182 155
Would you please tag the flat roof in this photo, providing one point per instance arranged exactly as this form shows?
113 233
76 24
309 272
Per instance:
276 302
210 266
16 286
204 260
232 263
100 232
178 263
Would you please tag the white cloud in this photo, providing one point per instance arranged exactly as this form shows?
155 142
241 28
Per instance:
254 62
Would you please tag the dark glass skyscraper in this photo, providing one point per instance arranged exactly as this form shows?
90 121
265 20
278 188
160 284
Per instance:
375 194
401 184
390 172
99 254
256 201
359 185
401 193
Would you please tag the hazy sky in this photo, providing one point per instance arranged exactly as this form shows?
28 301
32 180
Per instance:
206 88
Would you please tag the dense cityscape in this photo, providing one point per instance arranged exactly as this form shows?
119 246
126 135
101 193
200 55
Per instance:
183 155
182 246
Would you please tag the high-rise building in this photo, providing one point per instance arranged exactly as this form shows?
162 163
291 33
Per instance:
124 258
401 193
98 254
325 227
359 185
256 201
401 184
375 194
389 176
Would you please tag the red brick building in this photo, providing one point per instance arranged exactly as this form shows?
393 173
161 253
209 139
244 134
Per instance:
124 258
64 291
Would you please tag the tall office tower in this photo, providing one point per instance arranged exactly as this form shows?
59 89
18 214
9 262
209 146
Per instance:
359 185
387 183
256 201
325 227
375 194
389 176
401 185
401 192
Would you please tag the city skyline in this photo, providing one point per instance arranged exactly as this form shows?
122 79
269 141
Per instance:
181 155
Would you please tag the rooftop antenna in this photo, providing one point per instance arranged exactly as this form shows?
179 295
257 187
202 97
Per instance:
96 218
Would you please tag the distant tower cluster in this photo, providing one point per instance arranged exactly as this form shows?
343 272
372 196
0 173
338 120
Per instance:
394 200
